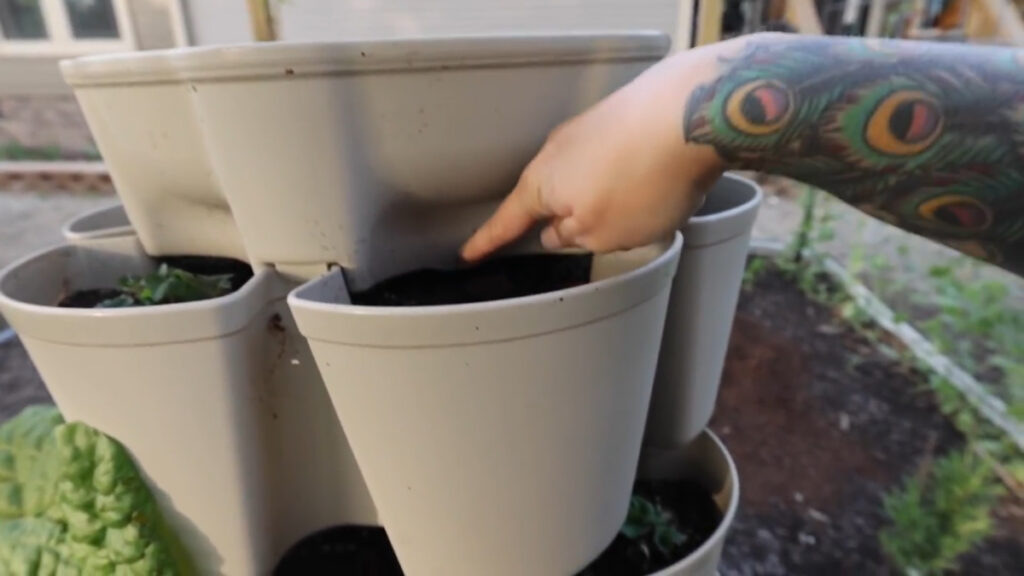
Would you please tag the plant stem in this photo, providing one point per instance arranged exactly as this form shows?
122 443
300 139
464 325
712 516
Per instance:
803 235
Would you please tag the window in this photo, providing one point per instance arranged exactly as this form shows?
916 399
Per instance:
64 27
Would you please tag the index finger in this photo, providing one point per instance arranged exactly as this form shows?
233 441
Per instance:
516 214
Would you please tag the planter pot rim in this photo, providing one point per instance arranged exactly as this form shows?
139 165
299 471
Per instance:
147 66
280 60
79 228
325 314
729 513
135 326
303 58
721 225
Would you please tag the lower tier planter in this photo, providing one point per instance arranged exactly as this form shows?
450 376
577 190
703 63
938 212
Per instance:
218 401
700 312
705 464
103 222
501 437
706 461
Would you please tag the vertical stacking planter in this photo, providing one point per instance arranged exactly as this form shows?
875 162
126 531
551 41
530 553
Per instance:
103 222
700 313
495 436
501 437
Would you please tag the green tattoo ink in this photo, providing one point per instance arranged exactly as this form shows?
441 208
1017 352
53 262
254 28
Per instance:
929 137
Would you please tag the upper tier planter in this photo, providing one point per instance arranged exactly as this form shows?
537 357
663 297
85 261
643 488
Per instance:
141 118
377 156
500 437
700 312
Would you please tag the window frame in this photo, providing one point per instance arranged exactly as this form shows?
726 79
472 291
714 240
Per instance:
61 41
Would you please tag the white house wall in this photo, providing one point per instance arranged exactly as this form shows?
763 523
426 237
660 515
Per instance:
219 21
359 19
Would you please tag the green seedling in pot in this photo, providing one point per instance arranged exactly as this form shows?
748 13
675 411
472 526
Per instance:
653 529
167 285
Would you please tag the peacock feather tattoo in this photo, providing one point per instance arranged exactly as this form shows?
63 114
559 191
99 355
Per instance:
929 137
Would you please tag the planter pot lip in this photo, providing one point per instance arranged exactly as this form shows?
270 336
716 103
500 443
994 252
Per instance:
69 233
724 525
134 326
147 66
350 323
283 59
724 225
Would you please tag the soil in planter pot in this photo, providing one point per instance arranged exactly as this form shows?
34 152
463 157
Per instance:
697 517
238 271
359 550
349 550
497 279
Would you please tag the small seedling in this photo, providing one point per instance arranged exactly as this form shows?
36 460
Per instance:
652 528
167 285
755 268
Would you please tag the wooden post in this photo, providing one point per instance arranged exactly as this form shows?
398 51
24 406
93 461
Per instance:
709 21
262 21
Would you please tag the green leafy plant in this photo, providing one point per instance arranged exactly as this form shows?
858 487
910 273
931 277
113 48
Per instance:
72 502
167 285
976 325
18 152
652 528
756 266
939 514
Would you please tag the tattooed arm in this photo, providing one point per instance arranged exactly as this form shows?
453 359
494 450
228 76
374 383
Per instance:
928 137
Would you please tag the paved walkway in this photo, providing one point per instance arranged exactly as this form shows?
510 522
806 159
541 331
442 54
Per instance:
30 221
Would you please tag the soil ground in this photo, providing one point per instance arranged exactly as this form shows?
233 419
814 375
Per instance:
822 425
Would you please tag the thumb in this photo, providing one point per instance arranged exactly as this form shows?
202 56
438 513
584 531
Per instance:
516 214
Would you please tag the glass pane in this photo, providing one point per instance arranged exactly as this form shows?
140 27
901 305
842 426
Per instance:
22 19
92 18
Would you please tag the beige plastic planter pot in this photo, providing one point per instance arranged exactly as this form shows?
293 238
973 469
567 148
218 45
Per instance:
497 438
704 460
383 156
700 312
142 120
103 222
219 401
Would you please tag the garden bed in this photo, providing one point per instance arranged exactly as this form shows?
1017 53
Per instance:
822 424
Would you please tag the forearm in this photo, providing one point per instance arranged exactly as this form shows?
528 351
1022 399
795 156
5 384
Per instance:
929 137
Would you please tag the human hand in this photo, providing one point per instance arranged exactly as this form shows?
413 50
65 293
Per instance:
617 176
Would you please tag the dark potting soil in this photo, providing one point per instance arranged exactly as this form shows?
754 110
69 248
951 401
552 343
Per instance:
359 550
88 298
239 271
696 512
497 279
348 550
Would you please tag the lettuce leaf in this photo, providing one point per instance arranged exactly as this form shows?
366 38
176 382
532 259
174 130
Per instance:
72 503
